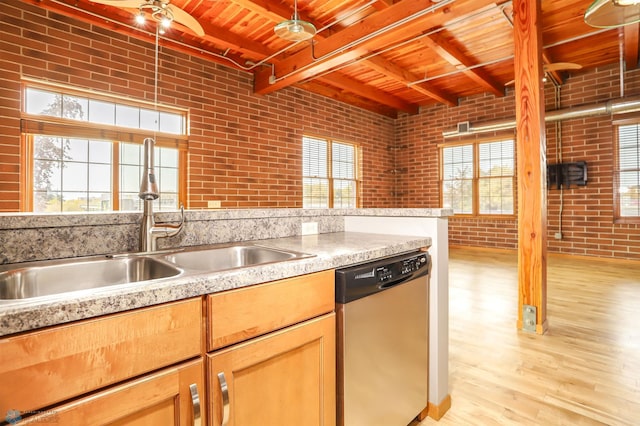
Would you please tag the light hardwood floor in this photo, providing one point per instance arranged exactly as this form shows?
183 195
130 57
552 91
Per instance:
584 371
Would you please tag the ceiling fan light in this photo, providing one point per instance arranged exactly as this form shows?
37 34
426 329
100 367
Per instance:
295 30
612 14
140 18
165 22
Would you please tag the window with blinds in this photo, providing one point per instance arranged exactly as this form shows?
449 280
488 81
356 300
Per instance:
329 174
84 151
478 178
627 190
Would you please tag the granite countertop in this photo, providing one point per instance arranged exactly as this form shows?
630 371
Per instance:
330 250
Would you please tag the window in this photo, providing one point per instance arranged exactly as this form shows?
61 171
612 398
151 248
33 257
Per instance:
53 102
478 178
84 152
627 190
330 175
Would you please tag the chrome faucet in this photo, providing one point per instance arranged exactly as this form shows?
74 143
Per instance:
150 230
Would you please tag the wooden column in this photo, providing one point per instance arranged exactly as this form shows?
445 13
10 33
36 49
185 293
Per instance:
531 164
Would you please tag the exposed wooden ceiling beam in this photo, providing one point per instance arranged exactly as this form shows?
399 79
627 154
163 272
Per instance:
305 64
402 75
390 70
275 12
348 84
631 36
438 43
348 98
265 7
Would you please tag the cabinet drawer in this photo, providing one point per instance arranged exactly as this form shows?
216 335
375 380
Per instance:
237 315
44 367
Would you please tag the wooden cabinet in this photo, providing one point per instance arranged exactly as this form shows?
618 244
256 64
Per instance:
43 368
271 361
170 397
286 375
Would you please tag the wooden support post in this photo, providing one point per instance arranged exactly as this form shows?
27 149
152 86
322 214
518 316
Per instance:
531 163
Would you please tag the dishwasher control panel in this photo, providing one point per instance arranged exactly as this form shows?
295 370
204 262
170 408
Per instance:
413 264
359 280
401 268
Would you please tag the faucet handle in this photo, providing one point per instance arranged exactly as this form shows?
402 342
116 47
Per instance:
181 214
177 227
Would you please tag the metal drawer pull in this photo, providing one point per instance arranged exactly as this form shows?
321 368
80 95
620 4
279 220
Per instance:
195 405
224 389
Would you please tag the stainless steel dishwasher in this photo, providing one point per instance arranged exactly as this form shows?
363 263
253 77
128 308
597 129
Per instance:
382 320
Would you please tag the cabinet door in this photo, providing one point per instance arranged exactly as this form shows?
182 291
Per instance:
286 378
171 397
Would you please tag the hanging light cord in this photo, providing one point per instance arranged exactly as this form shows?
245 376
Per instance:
155 75
155 82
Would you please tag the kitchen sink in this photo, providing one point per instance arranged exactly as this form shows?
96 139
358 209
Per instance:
61 276
230 257
54 277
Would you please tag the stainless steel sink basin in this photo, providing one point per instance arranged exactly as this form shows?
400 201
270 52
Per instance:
230 257
55 277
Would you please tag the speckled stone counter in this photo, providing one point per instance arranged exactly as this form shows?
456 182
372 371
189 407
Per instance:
29 237
330 250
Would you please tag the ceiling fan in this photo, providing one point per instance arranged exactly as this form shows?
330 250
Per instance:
160 11
612 13
556 66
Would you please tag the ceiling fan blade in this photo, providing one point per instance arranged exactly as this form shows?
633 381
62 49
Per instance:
187 20
133 4
557 66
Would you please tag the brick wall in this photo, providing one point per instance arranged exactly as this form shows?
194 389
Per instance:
588 227
244 150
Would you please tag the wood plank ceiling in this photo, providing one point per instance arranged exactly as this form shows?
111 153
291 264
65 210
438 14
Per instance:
386 56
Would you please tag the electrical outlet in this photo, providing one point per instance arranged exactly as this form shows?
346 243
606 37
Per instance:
558 235
309 228
215 204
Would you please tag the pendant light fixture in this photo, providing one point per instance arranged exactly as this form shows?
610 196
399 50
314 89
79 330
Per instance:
295 29
612 13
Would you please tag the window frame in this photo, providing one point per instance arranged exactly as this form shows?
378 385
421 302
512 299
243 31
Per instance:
476 178
632 119
357 161
35 124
